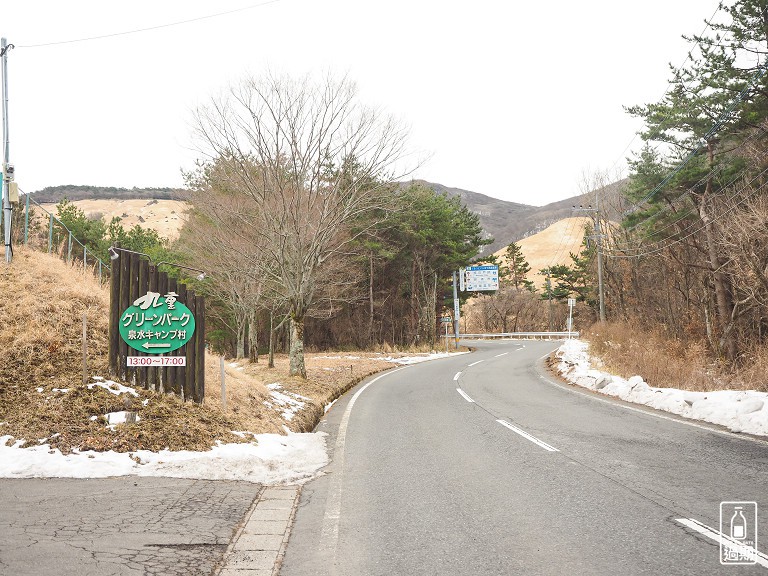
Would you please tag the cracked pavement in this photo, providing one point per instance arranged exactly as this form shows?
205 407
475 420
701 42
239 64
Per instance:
119 526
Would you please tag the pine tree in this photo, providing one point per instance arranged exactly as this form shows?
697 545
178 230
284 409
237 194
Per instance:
517 268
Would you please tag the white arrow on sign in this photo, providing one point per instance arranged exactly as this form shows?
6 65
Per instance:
157 345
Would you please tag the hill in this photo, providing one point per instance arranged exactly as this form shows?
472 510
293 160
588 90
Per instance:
54 194
164 216
551 246
162 209
508 222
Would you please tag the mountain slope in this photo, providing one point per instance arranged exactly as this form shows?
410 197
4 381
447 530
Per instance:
508 222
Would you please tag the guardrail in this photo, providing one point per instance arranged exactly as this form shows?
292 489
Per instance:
521 335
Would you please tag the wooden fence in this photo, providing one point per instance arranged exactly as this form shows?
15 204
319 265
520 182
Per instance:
132 277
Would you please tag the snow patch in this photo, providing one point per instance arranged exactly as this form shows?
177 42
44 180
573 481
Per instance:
118 417
270 459
738 410
113 387
288 403
407 360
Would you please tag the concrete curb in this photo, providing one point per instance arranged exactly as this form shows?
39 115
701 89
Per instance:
258 548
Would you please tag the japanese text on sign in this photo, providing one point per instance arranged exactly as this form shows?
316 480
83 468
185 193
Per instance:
157 324
481 278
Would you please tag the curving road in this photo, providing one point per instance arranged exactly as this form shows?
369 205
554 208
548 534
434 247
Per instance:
481 464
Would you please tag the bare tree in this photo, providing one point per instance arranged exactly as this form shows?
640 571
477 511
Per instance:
311 161
217 237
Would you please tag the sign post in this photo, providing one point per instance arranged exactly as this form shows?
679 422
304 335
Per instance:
455 312
571 304
446 321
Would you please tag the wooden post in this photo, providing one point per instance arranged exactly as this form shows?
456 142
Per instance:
173 372
114 315
223 386
153 378
200 353
131 374
125 302
162 372
190 351
85 349
143 284
181 371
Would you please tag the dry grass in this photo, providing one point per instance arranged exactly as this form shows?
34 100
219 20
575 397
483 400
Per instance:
41 390
328 376
164 216
666 362
561 238
42 340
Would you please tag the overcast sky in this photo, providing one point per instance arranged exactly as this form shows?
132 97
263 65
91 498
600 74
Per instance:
515 100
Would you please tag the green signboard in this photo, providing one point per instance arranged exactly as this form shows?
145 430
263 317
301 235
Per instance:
157 324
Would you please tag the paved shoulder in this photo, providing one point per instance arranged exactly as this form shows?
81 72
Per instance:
118 526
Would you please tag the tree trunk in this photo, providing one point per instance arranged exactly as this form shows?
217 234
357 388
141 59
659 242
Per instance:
719 279
370 300
414 304
240 340
253 337
296 356
271 363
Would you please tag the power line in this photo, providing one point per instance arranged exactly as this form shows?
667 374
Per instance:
148 29
648 251
721 120
683 193
686 198
669 84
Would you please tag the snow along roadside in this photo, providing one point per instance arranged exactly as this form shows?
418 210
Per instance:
272 459
738 410
268 459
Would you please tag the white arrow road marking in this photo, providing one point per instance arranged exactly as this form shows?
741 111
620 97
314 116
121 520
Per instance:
502 354
464 394
156 345
473 363
457 376
723 540
527 436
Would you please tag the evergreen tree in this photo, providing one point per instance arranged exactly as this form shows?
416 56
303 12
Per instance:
517 268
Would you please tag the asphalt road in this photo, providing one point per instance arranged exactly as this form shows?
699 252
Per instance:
124 526
424 479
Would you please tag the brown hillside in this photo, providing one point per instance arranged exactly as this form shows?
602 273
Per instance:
551 246
164 216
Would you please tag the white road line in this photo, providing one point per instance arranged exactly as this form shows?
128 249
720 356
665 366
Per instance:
527 436
329 535
521 347
464 394
473 363
649 412
457 376
723 540
502 354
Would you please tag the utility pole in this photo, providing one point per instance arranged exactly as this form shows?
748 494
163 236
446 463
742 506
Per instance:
455 312
598 237
7 169
549 293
